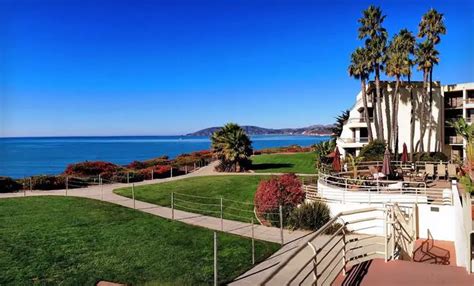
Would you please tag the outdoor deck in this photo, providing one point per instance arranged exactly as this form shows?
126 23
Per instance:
399 272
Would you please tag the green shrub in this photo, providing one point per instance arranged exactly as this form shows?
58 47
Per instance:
309 216
433 156
373 151
8 185
467 183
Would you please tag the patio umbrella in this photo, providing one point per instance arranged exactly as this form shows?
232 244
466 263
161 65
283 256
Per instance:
404 153
336 163
386 163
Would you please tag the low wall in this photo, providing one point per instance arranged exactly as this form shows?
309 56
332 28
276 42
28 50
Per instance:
437 218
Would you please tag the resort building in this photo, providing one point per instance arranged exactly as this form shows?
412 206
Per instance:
448 102
393 222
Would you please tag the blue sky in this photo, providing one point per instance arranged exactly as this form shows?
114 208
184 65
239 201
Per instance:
172 67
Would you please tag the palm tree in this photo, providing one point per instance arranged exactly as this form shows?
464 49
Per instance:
232 147
426 56
340 121
398 65
462 128
360 68
376 40
432 27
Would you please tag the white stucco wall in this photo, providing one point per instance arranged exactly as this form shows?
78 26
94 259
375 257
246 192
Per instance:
404 118
439 219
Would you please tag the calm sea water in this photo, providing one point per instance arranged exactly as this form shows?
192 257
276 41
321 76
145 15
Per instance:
21 157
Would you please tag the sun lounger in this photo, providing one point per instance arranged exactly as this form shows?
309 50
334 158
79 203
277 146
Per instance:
429 170
441 170
452 171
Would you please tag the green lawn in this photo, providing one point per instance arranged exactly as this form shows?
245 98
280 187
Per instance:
74 241
237 193
302 163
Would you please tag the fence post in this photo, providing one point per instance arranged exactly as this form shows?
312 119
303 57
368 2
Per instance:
253 246
101 189
133 195
172 205
215 259
185 169
152 174
222 216
67 184
344 259
31 185
281 224
128 177
171 173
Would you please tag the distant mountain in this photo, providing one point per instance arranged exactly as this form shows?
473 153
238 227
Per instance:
320 130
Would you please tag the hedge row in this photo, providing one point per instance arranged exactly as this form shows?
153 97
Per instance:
86 173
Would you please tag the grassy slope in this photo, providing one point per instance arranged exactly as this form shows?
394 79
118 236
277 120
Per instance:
302 163
236 190
73 241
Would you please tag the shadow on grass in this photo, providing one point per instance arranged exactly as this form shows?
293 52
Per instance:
266 166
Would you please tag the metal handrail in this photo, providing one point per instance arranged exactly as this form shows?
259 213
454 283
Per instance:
317 233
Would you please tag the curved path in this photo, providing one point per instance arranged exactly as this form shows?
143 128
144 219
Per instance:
105 193
291 239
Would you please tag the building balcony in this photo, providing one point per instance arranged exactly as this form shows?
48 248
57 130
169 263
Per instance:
455 140
355 140
357 122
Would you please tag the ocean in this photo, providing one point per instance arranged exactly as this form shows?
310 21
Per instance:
22 157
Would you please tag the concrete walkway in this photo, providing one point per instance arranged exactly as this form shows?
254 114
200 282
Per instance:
291 239
105 193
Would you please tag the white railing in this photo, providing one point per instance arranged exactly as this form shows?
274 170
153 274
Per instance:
346 190
336 246
355 140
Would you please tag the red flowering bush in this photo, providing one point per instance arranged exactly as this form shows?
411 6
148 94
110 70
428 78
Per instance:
44 182
84 169
138 165
158 172
7 185
285 190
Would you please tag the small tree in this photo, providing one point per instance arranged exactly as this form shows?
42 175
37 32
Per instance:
373 151
285 190
232 147
354 161
321 151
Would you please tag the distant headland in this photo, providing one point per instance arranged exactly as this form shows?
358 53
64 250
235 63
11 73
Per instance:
315 130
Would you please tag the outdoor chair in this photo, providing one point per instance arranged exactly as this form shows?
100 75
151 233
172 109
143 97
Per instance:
441 170
429 170
451 171
422 180
427 252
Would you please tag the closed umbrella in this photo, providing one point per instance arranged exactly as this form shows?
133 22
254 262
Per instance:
336 163
386 163
404 153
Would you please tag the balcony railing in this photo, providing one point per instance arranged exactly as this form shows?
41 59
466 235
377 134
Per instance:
360 120
469 100
455 140
355 140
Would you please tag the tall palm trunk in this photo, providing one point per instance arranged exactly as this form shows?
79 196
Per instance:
375 115
430 118
388 117
380 135
412 120
395 102
366 110
422 111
